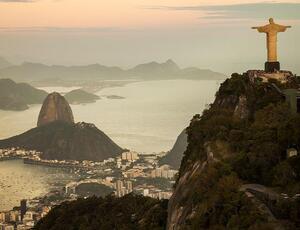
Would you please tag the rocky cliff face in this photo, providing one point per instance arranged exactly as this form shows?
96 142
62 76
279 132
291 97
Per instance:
208 185
55 108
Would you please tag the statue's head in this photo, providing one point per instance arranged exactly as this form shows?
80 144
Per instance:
271 20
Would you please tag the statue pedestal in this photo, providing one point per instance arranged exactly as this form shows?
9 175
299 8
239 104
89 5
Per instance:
271 67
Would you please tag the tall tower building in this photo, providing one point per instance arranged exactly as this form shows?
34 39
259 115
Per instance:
119 185
23 208
128 185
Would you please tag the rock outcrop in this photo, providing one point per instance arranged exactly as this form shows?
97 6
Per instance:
55 108
57 137
241 110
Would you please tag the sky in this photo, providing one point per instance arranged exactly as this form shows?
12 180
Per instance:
203 33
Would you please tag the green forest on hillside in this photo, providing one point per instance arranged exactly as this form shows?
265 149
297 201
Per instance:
129 213
258 154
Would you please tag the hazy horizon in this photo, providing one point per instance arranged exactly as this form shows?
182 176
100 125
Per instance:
126 33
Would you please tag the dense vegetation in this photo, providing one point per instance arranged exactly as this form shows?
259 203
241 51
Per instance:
222 204
161 183
259 143
93 189
253 150
127 213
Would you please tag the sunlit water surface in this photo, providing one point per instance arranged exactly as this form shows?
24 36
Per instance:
22 181
148 120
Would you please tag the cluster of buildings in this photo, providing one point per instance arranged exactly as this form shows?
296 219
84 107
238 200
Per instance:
163 172
132 170
15 153
34 157
123 187
130 156
157 193
127 173
23 217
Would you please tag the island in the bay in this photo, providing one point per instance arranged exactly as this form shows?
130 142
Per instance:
57 137
79 96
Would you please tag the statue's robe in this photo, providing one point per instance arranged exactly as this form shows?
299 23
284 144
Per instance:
271 30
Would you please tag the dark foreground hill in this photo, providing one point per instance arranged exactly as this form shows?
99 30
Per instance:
66 141
174 156
17 96
129 213
243 138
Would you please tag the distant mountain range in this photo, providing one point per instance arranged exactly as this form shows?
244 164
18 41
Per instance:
35 72
17 96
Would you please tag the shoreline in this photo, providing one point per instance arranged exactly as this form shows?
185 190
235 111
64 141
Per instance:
8 206
42 163
52 165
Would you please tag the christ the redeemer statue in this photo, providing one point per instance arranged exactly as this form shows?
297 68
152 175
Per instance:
271 30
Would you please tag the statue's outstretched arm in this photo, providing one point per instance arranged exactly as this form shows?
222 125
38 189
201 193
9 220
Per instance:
282 28
261 29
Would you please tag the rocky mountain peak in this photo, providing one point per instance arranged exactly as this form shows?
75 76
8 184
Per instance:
170 62
55 108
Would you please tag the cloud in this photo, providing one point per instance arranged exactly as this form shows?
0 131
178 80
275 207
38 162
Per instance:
27 1
285 11
63 29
